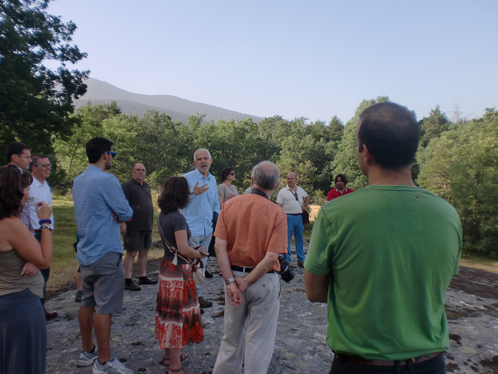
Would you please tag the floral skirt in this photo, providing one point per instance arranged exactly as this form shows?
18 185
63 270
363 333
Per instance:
178 315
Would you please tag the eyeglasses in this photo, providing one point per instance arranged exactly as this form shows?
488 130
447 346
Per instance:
44 166
232 173
113 154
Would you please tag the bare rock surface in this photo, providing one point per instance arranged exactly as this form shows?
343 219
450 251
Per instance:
472 308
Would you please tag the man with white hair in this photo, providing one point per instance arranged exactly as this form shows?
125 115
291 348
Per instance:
199 210
251 233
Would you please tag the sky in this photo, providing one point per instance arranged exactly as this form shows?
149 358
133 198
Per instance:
312 59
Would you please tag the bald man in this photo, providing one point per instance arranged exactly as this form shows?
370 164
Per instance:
294 201
137 233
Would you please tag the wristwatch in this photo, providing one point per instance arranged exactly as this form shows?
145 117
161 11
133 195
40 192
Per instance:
45 227
229 281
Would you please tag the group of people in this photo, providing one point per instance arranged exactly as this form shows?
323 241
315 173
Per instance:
381 258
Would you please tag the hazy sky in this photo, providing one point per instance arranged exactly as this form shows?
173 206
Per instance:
313 59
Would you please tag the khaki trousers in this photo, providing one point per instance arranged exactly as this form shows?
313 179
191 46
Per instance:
252 324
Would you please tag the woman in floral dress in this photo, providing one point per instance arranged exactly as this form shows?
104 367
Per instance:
178 315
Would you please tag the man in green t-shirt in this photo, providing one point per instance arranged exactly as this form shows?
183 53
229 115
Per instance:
383 257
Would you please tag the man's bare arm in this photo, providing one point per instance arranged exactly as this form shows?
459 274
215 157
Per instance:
317 286
220 247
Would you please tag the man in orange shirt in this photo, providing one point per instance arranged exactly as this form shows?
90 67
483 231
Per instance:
250 234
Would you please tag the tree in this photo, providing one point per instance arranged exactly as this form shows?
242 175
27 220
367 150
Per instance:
433 126
35 101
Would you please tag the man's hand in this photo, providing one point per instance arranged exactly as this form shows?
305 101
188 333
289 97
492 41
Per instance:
29 269
241 283
122 228
199 190
114 216
234 293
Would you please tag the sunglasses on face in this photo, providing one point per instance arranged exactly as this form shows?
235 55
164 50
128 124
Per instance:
113 154
232 173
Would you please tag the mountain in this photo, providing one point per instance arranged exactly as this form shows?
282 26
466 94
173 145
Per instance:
99 92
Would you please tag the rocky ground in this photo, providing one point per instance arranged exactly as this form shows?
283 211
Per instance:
471 302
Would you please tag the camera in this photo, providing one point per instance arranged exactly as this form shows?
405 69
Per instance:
286 272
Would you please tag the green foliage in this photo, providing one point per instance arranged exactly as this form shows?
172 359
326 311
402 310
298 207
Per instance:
35 102
433 126
461 166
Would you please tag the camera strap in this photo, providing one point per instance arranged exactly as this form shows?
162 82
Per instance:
259 193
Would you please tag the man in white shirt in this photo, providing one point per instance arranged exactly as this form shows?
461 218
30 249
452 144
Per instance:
294 201
40 191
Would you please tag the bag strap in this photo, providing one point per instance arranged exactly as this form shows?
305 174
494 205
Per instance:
295 195
171 248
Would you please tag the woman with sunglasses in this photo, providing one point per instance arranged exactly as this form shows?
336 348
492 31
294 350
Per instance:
23 332
226 190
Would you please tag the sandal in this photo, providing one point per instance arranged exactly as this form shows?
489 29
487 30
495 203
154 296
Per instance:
178 370
183 357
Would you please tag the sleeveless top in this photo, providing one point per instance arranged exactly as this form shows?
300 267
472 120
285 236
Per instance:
11 280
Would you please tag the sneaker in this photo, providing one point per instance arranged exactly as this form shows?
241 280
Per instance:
132 287
207 274
113 366
204 303
78 296
146 280
87 358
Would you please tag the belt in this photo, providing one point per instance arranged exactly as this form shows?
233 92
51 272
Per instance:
293 214
245 269
362 361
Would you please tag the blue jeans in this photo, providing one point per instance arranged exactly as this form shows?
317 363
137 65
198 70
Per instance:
435 365
295 227
44 272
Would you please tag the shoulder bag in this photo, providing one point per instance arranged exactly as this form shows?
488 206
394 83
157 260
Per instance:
197 265
304 215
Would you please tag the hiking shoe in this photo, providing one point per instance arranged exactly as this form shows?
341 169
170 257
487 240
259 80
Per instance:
132 287
146 280
204 303
207 274
113 366
87 358
78 296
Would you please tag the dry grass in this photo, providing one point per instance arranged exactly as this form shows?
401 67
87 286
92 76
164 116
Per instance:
64 263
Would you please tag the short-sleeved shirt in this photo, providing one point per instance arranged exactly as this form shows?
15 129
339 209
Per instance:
287 198
96 194
391 252
252 225
170 223
39 192
334 193
199 211
140 200
227 192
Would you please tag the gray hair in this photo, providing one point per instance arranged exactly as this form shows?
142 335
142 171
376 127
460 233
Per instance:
138 163
265 175
202 149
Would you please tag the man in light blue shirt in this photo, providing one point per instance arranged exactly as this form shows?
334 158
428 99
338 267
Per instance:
99 202
199 211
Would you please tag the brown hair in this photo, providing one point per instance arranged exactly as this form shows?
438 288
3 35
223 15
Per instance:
175 194
13 181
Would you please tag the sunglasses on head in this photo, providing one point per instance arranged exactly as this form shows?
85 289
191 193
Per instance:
113 154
